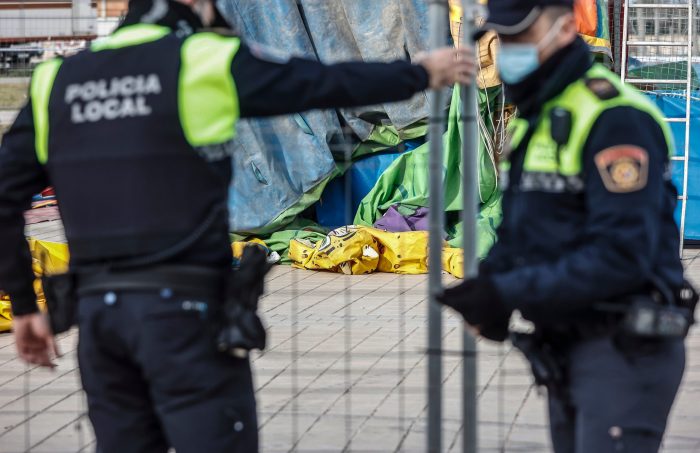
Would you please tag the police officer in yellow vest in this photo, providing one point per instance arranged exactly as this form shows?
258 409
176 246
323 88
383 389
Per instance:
588 249
132 135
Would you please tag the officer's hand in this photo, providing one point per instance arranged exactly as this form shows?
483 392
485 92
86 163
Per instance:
448 66
34 340
479 303
498 331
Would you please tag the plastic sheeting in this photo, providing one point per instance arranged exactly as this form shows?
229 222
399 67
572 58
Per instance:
371 30
673 106
357 250
271 156
272 179
47 258
593 25
364 173
405 182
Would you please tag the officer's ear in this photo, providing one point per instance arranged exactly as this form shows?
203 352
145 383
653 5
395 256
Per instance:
562 19
569 28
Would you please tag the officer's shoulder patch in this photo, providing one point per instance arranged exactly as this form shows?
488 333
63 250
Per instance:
623 168
603 88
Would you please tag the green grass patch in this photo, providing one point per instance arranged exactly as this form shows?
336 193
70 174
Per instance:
12 95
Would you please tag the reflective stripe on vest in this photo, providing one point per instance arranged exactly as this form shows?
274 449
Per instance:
207 98
550 169
40 92
132 35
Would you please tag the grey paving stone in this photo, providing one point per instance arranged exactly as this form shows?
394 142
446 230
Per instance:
316 397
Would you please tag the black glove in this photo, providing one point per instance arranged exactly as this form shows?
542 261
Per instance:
479 303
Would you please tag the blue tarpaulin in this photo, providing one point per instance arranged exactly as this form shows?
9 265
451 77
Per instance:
673 105
371 30
281 164
364 173
271 157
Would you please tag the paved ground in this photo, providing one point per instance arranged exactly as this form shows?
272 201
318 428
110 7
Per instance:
315 397
7 117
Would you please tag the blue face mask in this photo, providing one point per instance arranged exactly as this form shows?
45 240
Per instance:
517 61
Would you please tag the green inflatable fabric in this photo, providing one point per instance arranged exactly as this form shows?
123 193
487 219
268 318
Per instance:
279 240
406 181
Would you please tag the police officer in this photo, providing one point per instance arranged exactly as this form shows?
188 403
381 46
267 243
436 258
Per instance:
587 228
132 135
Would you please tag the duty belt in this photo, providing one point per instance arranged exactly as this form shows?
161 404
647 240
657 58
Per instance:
191 280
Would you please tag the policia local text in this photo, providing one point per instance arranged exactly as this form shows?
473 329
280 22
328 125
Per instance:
119 98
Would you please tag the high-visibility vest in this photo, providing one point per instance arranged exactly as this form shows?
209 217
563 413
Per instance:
553 167
134 135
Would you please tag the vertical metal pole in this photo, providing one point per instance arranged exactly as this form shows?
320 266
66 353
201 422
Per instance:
617 34
438 15
686 148
470 206
625 20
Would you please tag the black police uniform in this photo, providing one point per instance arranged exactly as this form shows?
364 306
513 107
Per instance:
561 251
588 224
142 182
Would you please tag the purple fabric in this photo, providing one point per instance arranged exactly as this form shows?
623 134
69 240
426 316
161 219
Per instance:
395 222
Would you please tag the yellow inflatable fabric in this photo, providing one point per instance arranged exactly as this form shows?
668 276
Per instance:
238 246
361 250
453 261
47 257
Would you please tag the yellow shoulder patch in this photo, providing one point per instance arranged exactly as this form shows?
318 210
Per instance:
623 168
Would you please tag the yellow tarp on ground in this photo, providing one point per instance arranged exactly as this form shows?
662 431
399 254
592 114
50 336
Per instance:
238 246
453 261
362 250
47 257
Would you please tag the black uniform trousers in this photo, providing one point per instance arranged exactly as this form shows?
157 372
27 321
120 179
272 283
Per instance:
617 400
154 379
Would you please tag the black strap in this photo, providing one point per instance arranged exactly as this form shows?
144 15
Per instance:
195 280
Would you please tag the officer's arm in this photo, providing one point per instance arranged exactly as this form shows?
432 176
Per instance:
267 87
622 224
21 176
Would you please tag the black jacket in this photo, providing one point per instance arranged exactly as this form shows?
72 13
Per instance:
558 252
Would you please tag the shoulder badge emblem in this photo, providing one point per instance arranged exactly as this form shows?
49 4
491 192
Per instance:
623 168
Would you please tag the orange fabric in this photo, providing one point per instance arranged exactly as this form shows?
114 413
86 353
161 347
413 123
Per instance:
586 12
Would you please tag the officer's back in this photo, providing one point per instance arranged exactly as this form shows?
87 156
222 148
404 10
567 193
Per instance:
123 121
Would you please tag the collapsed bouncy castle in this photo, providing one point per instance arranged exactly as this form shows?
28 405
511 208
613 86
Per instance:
290 184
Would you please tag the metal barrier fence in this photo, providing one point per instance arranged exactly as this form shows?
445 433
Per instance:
355 362
359 358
